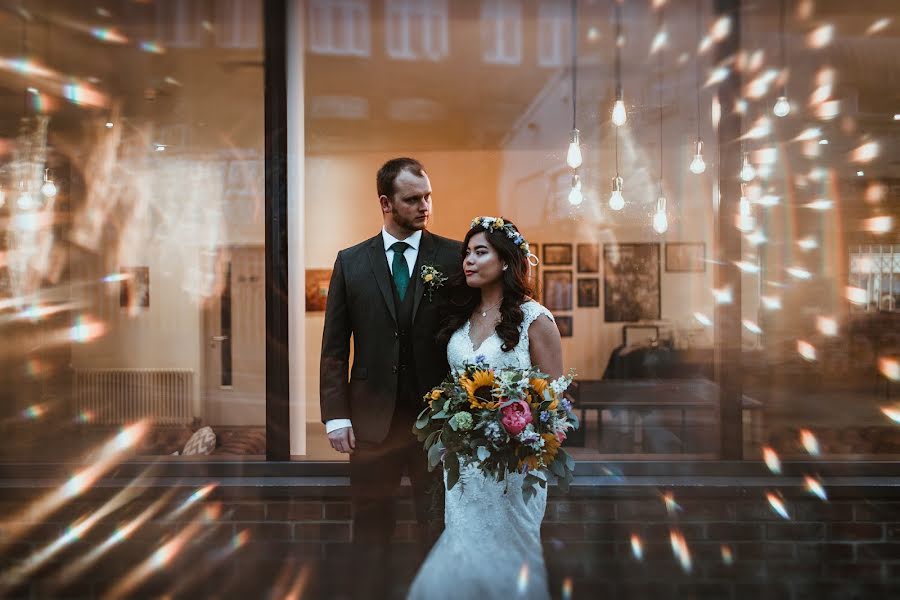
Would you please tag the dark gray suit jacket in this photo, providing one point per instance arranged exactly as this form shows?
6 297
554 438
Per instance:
360 303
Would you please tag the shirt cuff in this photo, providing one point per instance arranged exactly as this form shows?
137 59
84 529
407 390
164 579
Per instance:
335 424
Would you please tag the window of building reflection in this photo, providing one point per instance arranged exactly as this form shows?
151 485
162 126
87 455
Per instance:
640 312
416 29
131 279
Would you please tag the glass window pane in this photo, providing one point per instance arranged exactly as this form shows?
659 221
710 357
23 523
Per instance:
676 299
132 275
823 361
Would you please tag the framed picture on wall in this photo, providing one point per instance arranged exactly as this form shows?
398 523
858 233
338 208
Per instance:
557 255
685 257
134 291
631 290
588 292
588 258
639 335
317 282
564 324
557 292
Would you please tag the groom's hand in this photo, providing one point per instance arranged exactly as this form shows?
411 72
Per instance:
343 440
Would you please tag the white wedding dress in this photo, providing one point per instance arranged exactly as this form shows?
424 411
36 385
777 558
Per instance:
491 545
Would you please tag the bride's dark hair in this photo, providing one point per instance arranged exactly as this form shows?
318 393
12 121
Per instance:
516 290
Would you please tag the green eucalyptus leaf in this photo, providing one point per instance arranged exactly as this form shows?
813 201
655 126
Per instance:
434 454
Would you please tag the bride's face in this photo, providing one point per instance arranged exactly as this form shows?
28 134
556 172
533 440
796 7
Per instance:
482 265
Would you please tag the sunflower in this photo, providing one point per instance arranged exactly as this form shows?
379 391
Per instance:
479 389
540 386
551 447
529 461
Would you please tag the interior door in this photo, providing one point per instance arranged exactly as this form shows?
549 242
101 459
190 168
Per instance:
234 341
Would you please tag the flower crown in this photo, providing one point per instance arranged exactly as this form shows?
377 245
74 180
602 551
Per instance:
497 224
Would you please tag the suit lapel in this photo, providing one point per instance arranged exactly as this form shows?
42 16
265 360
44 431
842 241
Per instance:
427 249
378 258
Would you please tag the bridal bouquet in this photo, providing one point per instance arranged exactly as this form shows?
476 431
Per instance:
502 420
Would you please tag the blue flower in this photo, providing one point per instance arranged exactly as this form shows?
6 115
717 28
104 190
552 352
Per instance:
567 406
545 416
480 359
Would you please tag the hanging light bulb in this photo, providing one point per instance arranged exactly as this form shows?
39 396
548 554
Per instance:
697 165
616 200
748 173
619 116
49 188
745 220
660 221
575 195
782 107
573 158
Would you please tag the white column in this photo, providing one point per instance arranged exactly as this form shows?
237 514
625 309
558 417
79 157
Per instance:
296 257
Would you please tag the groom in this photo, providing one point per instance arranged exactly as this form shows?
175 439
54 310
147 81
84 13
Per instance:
378 296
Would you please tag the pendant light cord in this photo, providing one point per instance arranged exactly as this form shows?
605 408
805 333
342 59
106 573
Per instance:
659 65
699 27
574 34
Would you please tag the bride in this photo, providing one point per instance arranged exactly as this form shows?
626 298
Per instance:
491 545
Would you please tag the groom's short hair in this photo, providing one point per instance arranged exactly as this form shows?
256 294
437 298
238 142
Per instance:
389 171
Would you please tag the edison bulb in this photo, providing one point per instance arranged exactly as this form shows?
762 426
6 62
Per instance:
697 165
619 116
782 107
575 195
573 157
49 189
616 200
660 220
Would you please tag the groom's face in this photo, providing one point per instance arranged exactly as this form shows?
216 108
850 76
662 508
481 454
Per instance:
410 206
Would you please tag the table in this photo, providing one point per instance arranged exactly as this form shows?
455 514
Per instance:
658 394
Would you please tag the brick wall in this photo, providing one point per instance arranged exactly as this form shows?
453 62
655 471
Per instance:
848 547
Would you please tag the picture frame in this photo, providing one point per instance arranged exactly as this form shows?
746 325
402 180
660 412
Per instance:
565 325
557 290
685 257
134 289
557 255
588 292
638 335
317 282
588 256
631 282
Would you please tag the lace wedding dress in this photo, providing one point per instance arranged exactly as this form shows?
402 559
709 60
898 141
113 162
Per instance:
491 545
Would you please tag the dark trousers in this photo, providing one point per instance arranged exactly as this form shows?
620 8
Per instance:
375 472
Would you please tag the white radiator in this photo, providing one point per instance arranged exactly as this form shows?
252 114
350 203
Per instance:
115 396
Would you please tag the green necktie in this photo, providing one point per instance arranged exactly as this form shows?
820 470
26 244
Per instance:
400 268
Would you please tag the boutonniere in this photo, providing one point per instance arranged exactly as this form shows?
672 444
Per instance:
432 278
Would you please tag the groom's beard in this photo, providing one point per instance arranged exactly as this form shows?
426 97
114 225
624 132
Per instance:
409 224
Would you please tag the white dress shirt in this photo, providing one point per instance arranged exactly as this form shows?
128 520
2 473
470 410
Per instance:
410 254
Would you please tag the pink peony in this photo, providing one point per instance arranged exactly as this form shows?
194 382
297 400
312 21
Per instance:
516 416
561 436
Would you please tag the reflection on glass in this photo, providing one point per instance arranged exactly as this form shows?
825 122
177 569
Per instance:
131 186
816 263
